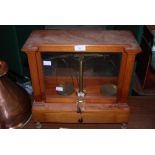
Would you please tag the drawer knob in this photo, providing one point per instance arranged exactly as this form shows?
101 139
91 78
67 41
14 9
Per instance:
80 120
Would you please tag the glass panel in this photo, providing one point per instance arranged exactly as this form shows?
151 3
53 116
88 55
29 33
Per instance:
101 73
87 75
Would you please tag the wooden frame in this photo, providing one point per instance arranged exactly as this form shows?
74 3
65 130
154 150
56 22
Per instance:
111 110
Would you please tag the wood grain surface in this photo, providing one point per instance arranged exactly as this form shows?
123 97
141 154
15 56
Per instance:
69 38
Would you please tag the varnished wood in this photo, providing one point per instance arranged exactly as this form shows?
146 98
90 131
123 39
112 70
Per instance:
93 113
66 39
89 48
127 77
111 116
40 75
97 108
34 76
121 76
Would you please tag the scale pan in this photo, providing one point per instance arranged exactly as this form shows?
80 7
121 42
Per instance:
108 90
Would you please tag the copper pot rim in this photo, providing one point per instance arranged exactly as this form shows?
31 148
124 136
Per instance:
3 68
22 124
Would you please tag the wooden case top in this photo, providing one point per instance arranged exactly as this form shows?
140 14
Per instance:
68 39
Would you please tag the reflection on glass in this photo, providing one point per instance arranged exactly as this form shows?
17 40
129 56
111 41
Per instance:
80 74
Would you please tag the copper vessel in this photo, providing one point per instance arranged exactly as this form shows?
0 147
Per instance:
15 103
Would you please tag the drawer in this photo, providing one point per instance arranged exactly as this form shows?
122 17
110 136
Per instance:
105 117
93 113
62 117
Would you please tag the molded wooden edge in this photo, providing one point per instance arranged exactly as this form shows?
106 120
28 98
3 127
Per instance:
73 107
89 48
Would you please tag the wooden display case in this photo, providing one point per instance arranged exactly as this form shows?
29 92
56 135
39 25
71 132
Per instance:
81 76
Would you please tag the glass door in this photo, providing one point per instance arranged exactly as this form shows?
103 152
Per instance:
91 76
